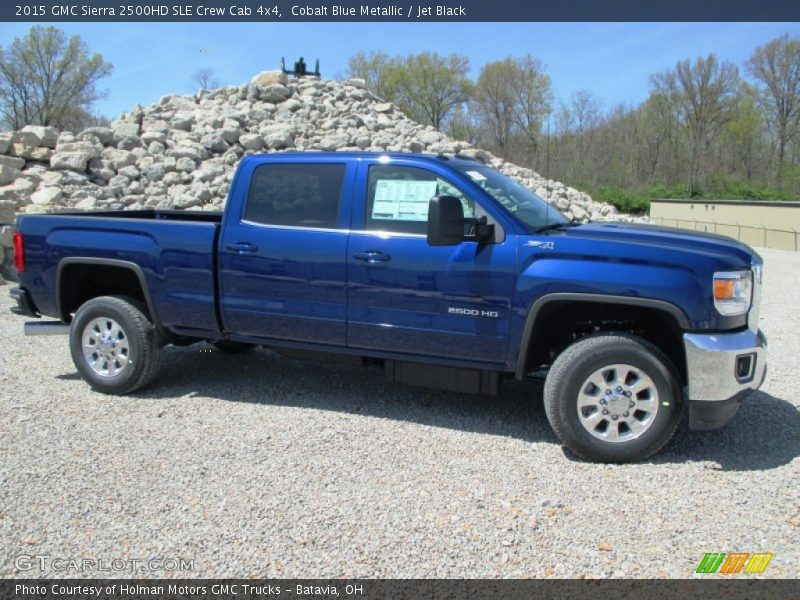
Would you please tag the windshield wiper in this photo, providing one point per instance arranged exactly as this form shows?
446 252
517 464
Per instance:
559 225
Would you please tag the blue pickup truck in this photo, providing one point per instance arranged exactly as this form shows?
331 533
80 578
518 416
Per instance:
437 268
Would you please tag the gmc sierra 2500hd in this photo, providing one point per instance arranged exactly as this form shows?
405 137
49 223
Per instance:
439 269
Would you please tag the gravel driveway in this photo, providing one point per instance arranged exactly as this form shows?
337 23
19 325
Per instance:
261 465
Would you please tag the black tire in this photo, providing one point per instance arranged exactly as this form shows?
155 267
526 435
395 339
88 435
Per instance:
583 359
142 353
233 347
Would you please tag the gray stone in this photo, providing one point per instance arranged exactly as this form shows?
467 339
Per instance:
73 161
118 158
278 136
35 153
104 134
12 161
154 172
6 235
8 174
383 107
267 78
215 143
196 153
47 196
274 93
129 143
93 150
6 138
186 164
119 180
183 121
123 130
149 137
45 137
251 141
8 209
130 172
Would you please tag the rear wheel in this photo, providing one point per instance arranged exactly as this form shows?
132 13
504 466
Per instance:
613 398
113 344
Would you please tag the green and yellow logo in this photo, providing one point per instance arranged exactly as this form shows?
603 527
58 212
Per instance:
732 563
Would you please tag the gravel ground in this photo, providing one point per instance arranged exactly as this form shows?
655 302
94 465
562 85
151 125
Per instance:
264 466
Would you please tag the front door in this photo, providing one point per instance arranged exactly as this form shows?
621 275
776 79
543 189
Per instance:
282 261
409 297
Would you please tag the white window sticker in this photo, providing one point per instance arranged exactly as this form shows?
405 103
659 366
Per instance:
476 176
402 200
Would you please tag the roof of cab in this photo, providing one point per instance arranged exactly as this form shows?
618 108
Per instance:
448 159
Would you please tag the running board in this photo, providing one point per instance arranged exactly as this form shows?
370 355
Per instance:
45 328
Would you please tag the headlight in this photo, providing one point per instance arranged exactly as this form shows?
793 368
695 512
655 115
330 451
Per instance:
733 291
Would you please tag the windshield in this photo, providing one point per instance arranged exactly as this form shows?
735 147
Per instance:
526 206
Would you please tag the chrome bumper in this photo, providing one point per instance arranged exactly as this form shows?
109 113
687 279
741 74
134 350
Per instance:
721 366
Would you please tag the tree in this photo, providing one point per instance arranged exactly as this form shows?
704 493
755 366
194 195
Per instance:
493 103
513 99
430 87
378 70
47 79
776 66
205 79
533 100
705 94
426 86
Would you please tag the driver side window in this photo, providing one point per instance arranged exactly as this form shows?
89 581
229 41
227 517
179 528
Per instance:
397 198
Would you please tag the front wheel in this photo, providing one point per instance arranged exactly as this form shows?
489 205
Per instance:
113 344
613 398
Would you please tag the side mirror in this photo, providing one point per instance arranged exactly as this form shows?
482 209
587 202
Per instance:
445 221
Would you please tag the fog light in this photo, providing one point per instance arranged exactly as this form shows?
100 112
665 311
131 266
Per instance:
745 367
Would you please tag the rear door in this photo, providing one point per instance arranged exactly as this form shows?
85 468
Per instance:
282 258
409 297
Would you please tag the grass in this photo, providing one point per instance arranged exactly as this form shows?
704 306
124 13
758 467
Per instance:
637 200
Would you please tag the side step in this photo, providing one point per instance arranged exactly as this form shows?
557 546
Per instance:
454 379
45 328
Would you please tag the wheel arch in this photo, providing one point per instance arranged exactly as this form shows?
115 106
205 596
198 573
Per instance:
132 282
540 307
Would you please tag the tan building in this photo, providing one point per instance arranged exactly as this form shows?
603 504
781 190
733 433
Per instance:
754 222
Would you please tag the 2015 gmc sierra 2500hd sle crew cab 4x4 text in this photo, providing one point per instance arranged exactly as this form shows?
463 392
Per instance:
439 269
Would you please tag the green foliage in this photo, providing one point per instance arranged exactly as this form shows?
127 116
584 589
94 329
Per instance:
426 86
637 200
511 99
47 79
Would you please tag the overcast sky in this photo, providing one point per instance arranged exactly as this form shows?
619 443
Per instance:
613 60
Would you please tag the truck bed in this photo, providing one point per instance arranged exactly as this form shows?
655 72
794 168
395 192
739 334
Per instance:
174 252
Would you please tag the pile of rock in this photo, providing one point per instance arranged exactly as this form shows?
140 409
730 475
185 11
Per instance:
181 152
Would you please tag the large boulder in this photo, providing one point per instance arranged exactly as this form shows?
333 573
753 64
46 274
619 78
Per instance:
73 161
38 136
125 129
47 196
267 78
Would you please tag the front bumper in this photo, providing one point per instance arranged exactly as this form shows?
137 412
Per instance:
722 369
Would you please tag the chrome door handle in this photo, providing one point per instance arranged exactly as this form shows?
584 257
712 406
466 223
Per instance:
372 257
242 248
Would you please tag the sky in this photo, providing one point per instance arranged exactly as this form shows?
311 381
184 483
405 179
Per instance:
612 60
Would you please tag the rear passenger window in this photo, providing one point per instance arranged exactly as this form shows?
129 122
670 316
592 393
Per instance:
299 195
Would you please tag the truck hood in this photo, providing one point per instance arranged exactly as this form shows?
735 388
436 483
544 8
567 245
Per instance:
726 249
